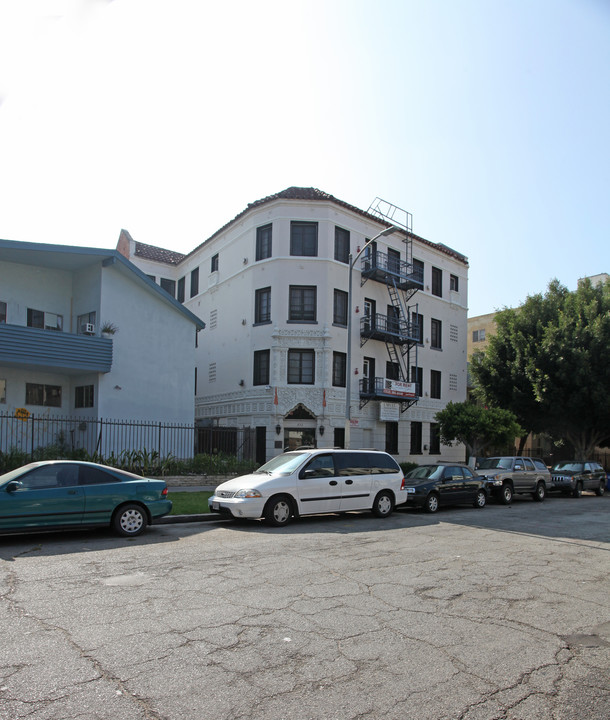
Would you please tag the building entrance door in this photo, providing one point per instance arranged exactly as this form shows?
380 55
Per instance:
295 438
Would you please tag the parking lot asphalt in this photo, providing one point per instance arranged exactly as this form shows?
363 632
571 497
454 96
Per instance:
499 613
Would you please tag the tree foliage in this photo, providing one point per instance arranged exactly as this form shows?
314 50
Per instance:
549 363
476 427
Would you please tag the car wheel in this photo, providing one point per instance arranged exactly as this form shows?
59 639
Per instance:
601 489
540 492
506 494
432 503
383 505
577 492
129 520
278 511
480 500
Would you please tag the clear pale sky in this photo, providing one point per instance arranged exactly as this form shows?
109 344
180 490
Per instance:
489 120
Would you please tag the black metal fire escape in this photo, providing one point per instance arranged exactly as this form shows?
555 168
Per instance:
400 330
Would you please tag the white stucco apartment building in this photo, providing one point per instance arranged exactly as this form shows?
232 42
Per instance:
272 287
54 360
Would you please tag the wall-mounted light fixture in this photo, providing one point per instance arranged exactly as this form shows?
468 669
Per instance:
278 429
322 428
242 383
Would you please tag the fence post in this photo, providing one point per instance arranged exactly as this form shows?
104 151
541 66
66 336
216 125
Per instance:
32 444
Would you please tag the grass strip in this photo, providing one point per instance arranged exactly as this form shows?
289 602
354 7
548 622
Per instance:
189 503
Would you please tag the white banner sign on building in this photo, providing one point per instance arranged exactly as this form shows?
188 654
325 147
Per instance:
389 412
398 388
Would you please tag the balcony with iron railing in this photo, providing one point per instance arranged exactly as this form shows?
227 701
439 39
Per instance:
388 328
386 268
388 390
52 350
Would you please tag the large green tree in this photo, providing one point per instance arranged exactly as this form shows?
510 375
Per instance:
475 426
549 363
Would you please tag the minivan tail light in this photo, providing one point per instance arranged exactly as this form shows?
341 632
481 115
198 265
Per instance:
402 484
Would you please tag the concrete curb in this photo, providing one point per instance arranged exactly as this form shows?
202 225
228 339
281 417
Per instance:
200 517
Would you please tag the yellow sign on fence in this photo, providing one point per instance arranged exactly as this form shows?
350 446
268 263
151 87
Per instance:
22 413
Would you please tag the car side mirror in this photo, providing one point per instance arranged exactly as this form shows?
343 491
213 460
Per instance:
13 485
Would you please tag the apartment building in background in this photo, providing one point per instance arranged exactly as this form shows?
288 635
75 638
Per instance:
272 286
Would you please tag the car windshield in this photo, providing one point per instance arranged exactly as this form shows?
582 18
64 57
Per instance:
504 463
283 464
571 466
425 471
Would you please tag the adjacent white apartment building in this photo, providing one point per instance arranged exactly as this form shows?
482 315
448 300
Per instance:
273 287
58 366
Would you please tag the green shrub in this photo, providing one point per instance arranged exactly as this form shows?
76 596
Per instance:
407 466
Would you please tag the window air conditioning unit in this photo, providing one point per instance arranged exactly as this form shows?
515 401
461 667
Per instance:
88 329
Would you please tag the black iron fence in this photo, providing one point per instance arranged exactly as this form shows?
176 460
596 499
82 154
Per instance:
30 434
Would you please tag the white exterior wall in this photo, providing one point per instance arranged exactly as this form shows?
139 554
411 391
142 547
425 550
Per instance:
153 355
226 303
152 374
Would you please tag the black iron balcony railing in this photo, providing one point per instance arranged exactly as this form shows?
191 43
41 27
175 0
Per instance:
389 328
383 267
380 388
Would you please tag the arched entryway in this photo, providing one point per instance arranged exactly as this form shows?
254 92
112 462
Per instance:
299 428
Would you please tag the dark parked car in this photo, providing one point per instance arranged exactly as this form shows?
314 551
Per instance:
430 486
508 475
571 477
59 494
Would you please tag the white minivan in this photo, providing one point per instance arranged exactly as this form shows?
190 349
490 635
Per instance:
306 482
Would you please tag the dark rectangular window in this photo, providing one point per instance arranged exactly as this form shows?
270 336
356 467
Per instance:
45 395
435 439
418 324
194 282
169 286
437 282
214 263
261 367
83 396
263 242
85 323
262 305
416 433
339 367
301 369
392 370
181 284
302 303
340 307
393 260
417 377
454 283
341 245
2 391
418 270
436 332
391 438
2 312
435 384
304 238
44 320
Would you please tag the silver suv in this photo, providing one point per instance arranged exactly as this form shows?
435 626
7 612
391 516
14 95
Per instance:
510 475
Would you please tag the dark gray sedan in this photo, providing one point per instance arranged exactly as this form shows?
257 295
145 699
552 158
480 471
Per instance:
430 486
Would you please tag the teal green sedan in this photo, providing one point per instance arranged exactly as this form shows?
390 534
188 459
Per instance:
61 494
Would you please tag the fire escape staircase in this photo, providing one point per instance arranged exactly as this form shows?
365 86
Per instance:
398 331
